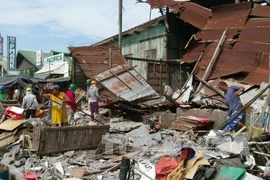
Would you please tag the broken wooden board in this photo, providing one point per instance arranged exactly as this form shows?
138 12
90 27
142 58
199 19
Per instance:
51 140
10 125
6 138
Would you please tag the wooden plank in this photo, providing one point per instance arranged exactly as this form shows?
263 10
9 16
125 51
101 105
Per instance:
61 139
10 125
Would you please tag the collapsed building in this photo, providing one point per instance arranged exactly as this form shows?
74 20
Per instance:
228 46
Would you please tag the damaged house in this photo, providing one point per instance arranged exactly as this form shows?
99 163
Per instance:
233 44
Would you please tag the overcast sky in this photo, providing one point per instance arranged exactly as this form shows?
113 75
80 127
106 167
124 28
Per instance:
57 24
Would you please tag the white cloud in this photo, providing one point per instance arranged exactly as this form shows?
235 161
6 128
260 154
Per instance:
67 18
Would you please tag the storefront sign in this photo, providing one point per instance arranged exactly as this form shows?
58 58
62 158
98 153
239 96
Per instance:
38 57
11 41
54 59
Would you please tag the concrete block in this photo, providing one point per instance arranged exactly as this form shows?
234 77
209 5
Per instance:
166 118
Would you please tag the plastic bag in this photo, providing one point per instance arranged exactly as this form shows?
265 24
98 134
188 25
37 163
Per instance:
165 166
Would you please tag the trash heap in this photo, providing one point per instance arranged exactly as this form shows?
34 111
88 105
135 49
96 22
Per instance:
131 149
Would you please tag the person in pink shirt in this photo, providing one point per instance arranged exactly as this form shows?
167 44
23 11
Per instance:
71 106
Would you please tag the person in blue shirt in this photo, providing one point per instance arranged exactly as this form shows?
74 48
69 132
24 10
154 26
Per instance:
231 94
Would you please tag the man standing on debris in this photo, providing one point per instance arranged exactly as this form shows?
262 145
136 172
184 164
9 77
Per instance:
231 94
168 92
58 114
71 106
94 97
30 104
88 84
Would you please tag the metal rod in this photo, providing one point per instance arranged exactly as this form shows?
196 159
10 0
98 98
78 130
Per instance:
131 74
120 24
120 80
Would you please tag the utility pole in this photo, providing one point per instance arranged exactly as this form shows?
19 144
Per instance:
120 8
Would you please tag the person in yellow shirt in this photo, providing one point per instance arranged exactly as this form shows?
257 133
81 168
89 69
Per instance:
59 114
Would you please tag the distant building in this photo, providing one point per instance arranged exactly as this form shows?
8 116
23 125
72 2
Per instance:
155 48
26 64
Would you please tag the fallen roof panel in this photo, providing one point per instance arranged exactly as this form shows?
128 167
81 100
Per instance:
231 62
258 22
161 3
94 60
209 35
126 83
261 11
252 46
261 73
231 15
192 13
255 35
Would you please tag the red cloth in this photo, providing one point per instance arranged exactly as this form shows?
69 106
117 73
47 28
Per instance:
165 166
71 97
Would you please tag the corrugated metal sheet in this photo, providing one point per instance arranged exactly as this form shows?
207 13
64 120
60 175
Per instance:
231 62
255 35
261 11
209 35
258 22
252 46
93 60
246 48
160 3
192 13
260 73
126 83
231 15
61 139
138 50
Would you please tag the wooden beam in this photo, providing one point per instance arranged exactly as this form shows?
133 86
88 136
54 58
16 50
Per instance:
120 80
146 60
193 70
210 86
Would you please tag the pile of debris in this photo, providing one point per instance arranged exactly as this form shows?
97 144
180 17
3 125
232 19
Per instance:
129 149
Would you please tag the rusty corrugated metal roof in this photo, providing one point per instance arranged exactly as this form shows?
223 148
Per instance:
94 60
126 83
209 35
230 15
261 11
161 3
258 34
246 47
252 46
192 13
258 22
260 74
231 62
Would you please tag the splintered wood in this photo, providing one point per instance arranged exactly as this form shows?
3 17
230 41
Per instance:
185 123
